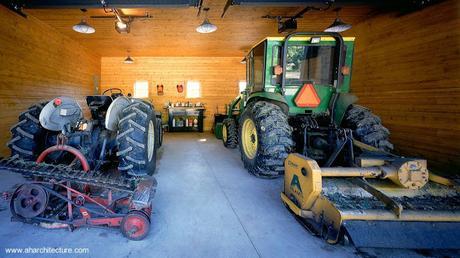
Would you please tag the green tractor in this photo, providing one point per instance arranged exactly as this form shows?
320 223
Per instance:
298 99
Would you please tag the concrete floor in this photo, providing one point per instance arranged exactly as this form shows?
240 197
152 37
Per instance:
207 205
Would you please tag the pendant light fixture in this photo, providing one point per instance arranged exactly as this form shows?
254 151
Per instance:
338 25
206 26
128 60
83 27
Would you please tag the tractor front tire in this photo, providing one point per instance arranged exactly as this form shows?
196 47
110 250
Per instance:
229 133
28 136
367 127
137 133
265 139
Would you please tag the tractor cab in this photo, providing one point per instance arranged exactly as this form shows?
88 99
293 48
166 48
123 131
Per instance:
303 70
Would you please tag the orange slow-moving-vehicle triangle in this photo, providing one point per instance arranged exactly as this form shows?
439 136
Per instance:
307 97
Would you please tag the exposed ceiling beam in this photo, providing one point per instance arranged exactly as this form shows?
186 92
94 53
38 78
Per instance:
403 6
277 2
47 4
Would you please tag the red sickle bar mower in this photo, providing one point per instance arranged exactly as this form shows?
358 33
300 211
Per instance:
57 205
94 172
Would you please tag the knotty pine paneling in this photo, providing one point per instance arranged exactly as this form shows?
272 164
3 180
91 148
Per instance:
38 63
218 76
406 69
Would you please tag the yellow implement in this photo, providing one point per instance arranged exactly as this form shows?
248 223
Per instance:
392 202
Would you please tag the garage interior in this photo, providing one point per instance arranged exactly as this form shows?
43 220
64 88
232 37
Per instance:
405 69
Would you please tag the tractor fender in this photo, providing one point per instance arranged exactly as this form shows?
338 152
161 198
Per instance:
117 106
60 112
150 104
145 101
232 105
343 102
274 98
113 112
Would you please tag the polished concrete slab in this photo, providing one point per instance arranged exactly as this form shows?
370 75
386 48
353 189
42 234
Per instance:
207 205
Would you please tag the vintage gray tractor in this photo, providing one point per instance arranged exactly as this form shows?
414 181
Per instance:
121 130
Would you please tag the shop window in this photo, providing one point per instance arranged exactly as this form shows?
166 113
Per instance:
242 85
193 90
141 89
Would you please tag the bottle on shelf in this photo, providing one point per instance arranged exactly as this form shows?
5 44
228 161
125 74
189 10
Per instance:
195 122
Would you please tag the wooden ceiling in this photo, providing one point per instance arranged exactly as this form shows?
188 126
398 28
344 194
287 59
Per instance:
171 31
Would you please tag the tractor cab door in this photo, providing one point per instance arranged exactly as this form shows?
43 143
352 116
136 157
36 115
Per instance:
255 68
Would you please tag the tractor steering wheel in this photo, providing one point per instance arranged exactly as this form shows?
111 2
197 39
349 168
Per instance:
111 90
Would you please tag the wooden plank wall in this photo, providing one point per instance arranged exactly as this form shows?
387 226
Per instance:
407 70
37 64
218 76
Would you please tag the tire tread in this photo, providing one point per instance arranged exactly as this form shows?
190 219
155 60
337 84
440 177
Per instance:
367 127
232 133
275 139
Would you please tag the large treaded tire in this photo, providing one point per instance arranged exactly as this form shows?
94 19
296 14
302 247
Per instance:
274 136
133 139
367 127
28 136
231 140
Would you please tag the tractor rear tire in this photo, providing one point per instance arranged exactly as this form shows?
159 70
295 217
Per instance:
229 133
137 133
28 136
265 139
367 127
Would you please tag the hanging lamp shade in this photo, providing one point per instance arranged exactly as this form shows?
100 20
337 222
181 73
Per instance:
338 26
128 60
206 27
83 27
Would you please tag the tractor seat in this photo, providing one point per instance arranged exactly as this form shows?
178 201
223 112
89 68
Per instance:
98 101
98 104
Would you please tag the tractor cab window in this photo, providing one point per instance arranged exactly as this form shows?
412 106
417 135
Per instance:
309 63
258 62
276 60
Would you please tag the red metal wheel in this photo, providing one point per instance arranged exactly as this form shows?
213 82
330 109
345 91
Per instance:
135 225
29 201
